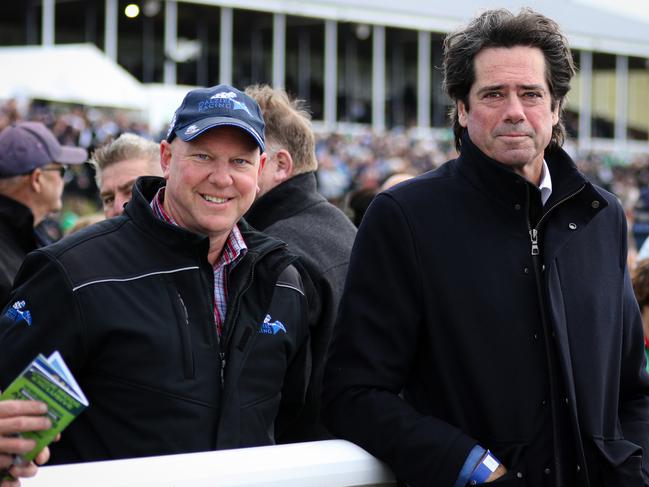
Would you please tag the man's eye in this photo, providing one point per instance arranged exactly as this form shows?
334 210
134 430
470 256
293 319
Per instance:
493 94
108 200
240 162
202 157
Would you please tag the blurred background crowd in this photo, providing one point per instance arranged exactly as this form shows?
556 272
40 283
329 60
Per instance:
353 166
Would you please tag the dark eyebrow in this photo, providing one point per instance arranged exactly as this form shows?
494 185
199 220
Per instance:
487 89
126 185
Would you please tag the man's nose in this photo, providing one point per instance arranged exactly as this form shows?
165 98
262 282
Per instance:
514 110
220 174
118 205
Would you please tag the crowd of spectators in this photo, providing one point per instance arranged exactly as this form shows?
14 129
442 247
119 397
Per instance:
352 165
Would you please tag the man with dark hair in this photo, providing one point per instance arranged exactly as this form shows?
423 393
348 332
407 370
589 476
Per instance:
186 328
290 208
118 164
488 330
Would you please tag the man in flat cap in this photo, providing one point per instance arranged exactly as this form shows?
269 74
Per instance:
186 329
32 165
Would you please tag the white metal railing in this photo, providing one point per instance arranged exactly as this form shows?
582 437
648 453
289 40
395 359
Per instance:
332 463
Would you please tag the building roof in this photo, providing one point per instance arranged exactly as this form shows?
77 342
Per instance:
587 27
73 73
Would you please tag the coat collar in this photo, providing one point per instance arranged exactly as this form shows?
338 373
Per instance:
285 200
139 210
19 221
503 184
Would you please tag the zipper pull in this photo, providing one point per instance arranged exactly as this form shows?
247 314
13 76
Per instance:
222 355
182 304
534 237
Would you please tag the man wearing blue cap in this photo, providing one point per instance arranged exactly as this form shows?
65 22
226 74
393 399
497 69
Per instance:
186 328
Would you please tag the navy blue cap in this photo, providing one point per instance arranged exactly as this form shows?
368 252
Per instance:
206 108
24 146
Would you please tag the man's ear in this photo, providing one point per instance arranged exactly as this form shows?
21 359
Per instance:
462 114
263 158
284 167
165 158
35 180
555 114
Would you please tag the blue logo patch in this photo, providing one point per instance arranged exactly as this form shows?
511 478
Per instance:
271 328
17 312
240 106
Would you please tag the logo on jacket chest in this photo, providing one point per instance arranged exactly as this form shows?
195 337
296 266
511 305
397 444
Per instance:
269 327
18 312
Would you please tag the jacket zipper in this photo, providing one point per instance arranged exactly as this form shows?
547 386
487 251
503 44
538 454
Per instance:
534 232
233 313
547 331
229 321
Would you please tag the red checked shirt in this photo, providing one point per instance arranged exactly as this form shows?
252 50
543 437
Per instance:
233 251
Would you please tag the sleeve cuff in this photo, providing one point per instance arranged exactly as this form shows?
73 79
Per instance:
469 465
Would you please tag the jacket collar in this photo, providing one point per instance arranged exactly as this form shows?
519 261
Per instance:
508 187
139 210
20 222
285 200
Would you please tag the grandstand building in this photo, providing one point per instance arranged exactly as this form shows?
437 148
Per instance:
373 62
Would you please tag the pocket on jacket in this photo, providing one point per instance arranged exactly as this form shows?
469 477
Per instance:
182 320
510 479
509 453
257 417
621 463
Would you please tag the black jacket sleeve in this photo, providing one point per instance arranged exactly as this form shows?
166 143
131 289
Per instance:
376 339
41 316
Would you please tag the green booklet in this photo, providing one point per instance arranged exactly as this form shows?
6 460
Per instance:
48 379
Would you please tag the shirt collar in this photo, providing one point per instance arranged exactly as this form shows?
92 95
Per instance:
546 183
233 250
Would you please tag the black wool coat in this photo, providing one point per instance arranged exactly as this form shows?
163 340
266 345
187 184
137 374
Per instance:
448 319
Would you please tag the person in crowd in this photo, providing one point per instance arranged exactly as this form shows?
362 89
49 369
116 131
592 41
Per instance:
395 179
289 207
118 164
357 203
32 166
640 280
488 331
19 417
85 221
186 329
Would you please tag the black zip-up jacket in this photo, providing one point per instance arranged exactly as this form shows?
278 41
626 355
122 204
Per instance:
129 304
322 236
16 241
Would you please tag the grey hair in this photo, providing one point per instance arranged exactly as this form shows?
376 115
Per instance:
126 146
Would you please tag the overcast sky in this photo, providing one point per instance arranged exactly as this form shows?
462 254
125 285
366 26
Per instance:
637 9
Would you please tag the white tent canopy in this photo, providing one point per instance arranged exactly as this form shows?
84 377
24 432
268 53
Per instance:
73 73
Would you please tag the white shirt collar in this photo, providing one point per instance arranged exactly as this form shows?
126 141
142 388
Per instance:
546 183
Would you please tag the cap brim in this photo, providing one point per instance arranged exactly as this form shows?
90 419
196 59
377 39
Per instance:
72 155
208 123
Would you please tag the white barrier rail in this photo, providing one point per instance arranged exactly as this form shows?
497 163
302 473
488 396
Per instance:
333 463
